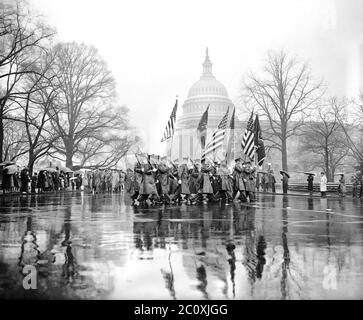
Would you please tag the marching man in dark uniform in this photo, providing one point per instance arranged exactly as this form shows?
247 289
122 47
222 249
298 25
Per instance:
193 178
148 190
174 177
250 181
205 185
163 177
216 181
183 174
226 180
239 183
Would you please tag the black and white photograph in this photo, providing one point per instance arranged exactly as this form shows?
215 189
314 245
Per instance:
160 150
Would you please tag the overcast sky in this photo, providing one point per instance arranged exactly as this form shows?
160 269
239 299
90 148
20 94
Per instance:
155 48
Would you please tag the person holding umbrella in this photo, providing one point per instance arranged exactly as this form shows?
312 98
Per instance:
285 181
24 177
310 181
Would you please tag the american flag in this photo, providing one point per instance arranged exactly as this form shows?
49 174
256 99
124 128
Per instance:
202 128
217 137
169 129
248 141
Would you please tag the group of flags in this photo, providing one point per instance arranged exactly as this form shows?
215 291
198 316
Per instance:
252 143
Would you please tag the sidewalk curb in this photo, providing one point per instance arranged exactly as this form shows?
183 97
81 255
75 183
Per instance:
306 195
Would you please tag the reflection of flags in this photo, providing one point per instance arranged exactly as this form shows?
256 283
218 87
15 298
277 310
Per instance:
230 145
202 127
217 137
260 147
248 143
169 129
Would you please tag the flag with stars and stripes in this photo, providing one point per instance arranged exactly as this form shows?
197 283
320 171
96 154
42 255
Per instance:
217 139
169 129
248 141
202 128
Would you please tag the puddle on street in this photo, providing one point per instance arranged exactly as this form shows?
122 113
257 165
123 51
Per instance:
100 247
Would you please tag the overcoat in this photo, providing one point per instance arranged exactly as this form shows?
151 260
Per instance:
193 180
148 181
183 173
226 180
238 176
310 183
323 183
206 186
173 175
250 180
163 177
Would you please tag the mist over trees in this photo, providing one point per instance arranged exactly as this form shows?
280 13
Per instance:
283 94
294 104
56 99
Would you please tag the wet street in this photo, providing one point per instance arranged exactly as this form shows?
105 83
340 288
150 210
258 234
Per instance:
100 247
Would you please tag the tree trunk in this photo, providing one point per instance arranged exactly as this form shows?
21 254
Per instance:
69 158
31 162
68 144
1 139
327 171
284 152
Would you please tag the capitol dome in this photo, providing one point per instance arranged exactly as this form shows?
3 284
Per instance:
207 91
207 84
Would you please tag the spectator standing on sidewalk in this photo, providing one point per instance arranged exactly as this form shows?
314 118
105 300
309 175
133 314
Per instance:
342 188
285 181
272 181
310 184
323 184
355 182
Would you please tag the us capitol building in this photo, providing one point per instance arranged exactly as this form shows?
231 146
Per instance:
206 91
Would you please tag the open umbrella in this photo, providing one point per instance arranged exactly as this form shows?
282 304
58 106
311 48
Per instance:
48 169
12 169
284 172
65 169
7 163
310 173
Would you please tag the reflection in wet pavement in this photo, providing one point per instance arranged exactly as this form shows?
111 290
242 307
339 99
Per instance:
100 247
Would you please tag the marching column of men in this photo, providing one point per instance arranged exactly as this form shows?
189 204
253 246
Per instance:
159 181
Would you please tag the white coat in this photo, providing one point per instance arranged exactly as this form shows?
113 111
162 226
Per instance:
323 183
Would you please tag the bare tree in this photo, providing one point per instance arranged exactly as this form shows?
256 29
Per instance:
15 140
324 137
84 114
282 95
20 35
36 104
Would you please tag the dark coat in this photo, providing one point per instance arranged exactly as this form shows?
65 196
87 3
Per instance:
250 180
206 186
148 185
310 183
238 176
163 177
226 180
194 176
174 177
183 173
